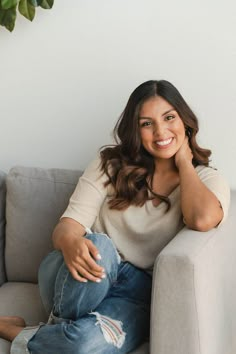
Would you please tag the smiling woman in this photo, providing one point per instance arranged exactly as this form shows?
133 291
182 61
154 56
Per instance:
27 8
161 122
129 203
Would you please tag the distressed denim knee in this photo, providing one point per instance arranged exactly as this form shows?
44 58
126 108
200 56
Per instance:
74 299
110 257
87 336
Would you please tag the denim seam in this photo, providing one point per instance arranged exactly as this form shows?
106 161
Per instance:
60 307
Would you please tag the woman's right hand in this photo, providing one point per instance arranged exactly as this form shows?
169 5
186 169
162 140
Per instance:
80 254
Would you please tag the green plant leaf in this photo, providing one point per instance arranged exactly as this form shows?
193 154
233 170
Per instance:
7 4
35 3
8 18
47 4
27 10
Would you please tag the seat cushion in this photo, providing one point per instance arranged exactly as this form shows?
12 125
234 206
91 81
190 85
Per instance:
36 198
5 346
20 299
142 349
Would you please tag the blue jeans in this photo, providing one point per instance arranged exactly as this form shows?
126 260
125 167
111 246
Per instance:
98 318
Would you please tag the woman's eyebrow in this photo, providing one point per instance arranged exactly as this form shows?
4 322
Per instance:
170 110
139 118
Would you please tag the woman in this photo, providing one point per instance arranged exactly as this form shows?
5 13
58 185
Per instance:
140 192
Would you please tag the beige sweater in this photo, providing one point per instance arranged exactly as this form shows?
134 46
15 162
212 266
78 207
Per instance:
139 233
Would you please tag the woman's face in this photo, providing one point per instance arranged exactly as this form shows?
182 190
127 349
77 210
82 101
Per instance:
161 129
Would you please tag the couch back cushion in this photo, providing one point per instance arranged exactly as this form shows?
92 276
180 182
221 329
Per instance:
36 198
2 224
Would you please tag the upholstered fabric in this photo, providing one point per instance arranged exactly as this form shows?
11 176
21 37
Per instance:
22 299
36 198
5 346
194 297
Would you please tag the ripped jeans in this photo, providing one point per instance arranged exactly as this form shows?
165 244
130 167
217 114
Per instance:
99 318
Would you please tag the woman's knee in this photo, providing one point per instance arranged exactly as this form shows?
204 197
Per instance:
104 244
110 258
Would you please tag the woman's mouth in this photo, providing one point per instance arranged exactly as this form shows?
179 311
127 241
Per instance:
163 143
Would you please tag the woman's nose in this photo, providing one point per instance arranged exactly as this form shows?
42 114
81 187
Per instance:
158 129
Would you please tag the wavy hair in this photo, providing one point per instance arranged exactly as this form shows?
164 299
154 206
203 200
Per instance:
127 164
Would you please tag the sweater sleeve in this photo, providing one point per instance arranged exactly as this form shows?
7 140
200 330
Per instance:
88 196
217 184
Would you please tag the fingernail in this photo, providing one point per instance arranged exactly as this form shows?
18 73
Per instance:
85 280
98 281
103 276
99 256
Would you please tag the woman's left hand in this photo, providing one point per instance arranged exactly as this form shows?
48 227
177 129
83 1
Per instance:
200 207
184 154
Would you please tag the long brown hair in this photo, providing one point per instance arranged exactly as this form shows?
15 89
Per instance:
127 164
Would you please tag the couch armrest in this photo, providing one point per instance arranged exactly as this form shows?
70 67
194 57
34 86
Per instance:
2 225
194 292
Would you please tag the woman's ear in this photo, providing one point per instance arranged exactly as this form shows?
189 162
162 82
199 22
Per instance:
188 132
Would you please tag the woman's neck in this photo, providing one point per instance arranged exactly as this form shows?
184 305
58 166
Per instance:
165 166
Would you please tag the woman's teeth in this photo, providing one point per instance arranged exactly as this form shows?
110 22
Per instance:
164 142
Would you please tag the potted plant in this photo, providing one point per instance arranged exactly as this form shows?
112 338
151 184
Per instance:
27 8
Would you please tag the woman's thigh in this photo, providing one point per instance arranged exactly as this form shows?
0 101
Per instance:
132 283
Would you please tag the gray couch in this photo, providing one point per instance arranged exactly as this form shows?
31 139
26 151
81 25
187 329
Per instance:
194 288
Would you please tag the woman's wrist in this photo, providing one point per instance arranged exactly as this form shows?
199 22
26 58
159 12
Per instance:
65 231
184 164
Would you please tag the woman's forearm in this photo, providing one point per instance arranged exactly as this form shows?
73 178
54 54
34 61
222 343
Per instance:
200 207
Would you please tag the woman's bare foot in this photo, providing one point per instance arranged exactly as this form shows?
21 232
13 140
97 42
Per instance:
11 326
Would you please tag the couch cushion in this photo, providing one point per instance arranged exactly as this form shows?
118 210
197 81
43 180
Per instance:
20 299
2 224
5 346
36 198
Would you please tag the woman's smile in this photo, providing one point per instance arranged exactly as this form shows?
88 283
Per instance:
163 144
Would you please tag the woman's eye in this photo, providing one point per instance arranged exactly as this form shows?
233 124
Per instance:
169 117
146 124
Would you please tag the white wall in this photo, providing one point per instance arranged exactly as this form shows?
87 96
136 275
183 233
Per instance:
65 78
